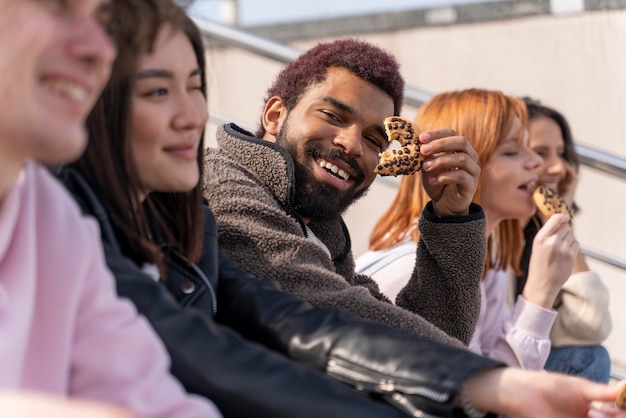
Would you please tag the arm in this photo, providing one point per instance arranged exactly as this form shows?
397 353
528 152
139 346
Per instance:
452 247
583 311
519 338
519 393
261 236
449 266
428 375
332 340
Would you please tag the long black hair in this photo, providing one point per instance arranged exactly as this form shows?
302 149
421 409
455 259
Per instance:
108 165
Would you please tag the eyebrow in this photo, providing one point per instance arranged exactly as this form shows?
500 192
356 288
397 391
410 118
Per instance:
159 73
342 106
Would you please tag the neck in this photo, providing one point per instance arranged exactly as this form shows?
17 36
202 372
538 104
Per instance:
492 223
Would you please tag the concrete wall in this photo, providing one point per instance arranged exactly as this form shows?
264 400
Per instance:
575 62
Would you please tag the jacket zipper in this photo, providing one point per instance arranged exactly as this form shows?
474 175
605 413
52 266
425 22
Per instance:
208 284
393 392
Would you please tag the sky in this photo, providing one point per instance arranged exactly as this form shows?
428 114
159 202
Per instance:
259 12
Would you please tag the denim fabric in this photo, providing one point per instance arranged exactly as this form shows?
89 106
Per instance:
592 362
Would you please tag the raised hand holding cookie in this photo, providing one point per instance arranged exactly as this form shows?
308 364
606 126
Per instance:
553 255
450 171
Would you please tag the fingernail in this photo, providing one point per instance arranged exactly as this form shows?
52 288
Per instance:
424 137
432 180
427 165
426 149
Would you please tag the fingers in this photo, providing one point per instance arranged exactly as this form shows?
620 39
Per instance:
553 224
447 153
445 141
600 392
557 227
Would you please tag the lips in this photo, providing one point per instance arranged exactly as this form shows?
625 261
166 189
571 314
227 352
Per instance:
186 150
529 187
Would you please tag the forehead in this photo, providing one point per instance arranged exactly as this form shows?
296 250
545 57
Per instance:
346 87
545 128
517 134
172 49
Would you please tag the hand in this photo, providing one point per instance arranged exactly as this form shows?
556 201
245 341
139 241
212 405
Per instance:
35 405
552 259
606 409
518 393
450 172
567 186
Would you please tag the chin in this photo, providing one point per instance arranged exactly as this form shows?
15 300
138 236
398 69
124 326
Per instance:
58 146
56 155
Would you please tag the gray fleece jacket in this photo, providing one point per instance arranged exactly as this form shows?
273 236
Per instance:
249 182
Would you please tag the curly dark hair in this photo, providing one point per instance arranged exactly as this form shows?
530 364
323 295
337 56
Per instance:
363 59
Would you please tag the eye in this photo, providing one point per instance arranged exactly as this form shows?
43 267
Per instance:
373 143
331 116
158 92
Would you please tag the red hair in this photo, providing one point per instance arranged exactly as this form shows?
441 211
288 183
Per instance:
485 118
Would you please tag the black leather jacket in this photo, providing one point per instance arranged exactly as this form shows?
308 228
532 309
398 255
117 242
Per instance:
236 336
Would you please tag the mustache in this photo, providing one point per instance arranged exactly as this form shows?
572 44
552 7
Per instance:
317 151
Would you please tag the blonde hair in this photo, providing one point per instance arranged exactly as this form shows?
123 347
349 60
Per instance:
485 118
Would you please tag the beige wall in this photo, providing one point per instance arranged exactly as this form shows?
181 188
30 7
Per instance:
576 63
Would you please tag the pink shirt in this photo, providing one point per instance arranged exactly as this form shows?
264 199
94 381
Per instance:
520 337
63 330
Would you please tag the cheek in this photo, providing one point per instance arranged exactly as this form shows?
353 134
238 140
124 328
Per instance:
370 161
145 130
541 169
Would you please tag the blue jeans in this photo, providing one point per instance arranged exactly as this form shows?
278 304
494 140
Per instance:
592 362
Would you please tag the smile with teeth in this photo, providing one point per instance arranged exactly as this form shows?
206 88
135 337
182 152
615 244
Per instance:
68 89
333 169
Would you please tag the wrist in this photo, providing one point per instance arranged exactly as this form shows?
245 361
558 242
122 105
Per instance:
443 214
466 405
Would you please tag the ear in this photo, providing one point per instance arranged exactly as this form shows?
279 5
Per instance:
273 115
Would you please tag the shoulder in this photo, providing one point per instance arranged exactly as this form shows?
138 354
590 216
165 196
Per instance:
60 223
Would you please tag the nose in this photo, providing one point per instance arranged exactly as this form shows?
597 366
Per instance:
192 113
556 166
91 44
350 140
534 160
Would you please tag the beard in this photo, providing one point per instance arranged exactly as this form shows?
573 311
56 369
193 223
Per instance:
313 199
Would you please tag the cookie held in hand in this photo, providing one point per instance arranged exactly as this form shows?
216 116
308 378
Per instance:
407 159
549 202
